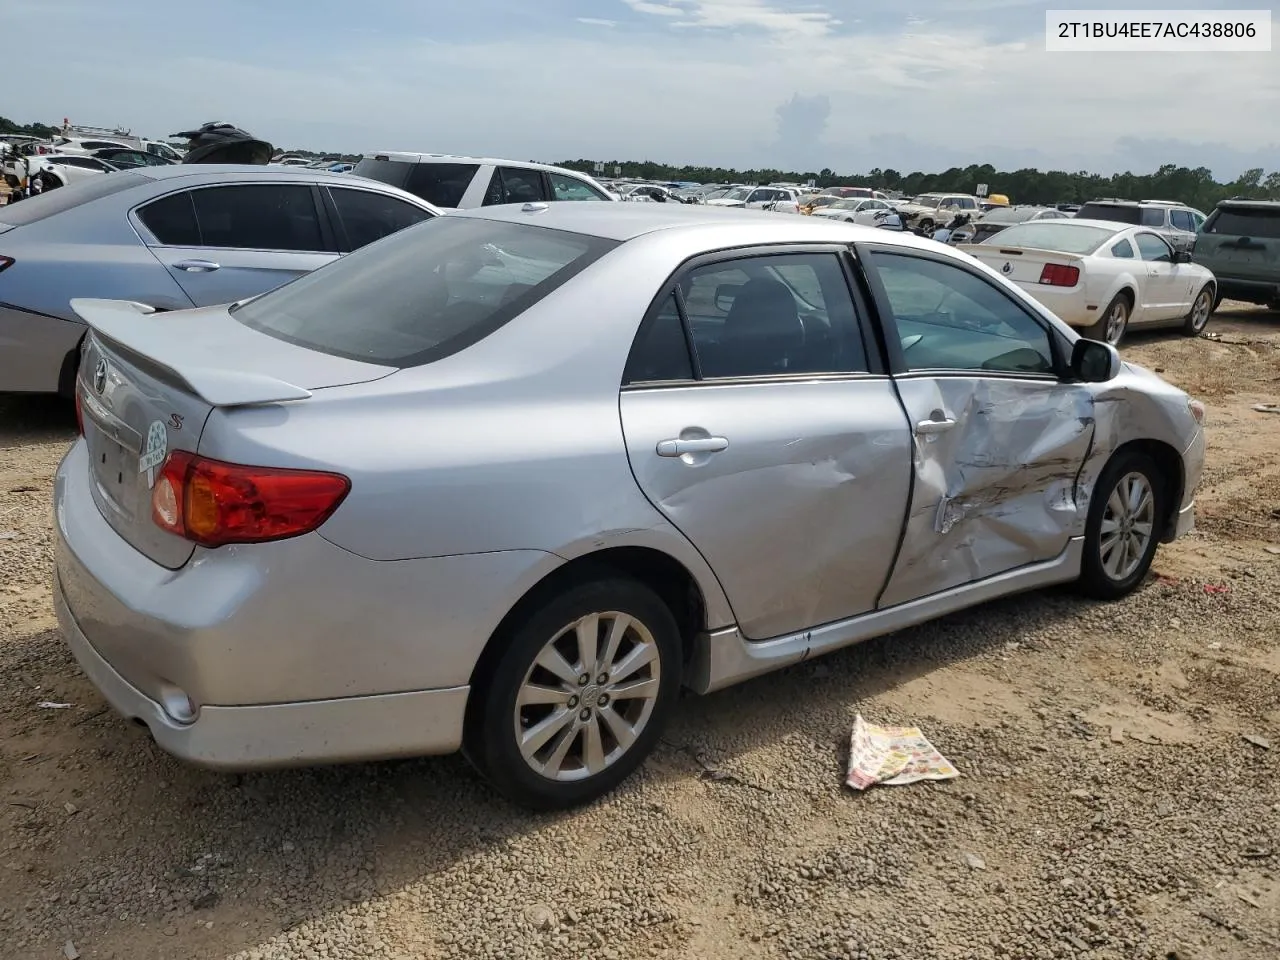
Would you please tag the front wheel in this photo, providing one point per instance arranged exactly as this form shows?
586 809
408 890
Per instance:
1198 318
1124 526
579 696
926 225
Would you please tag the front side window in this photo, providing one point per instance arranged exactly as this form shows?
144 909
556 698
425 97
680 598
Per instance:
425 293
368 216
514 185
950 319
1182 220
259 216
571 188
773 315
1151 247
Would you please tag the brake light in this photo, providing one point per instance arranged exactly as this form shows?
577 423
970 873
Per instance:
213 503
1058 275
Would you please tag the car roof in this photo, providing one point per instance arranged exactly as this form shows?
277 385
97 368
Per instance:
626 221
1250 203
402 156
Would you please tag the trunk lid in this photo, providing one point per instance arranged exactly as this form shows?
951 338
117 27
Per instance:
1022 265
147 383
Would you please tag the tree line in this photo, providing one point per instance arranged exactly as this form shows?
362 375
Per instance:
1194 187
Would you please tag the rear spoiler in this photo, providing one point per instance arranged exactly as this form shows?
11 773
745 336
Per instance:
996 250
120 324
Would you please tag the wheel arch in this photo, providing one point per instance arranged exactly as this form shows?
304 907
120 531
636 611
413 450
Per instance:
668 577
1169 463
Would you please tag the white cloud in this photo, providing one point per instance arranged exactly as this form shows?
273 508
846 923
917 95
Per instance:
657 9
597 22
736 14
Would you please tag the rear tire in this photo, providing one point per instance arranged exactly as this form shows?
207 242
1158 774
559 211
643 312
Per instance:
1201 310
593 733
1124 526
926 225
1113 323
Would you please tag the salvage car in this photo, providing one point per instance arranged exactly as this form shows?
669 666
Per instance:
1000 218
171 237
853 210
507 480
1103 276
1240 243
931 210
448 182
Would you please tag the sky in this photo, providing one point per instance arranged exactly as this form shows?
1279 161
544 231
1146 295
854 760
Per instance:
784 84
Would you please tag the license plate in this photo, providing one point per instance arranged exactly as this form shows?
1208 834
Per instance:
116 471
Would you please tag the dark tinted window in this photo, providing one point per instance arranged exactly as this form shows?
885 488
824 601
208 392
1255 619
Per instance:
950 319
1153 216
1123 250
260 216
72 195
1254 222
384 171
514 185
773 315
369 216
1182 220
425 293
442 184
172 220
660 351
1111 211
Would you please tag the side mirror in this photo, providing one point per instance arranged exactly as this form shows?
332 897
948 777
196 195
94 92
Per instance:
1094 362
1181 256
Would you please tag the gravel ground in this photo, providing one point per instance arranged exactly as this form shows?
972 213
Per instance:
1111 806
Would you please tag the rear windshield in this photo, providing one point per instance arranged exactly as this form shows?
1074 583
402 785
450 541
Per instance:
1057 235
1245 222
1008 215
423 293
442 184
1111 211
45 205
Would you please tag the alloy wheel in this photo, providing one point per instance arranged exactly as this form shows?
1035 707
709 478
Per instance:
1117 320
587 697
1128 524
1201 310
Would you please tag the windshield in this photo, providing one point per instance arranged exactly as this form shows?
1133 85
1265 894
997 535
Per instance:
422 293
741 193
927 201
1006 215
850 204
1058 235
1251 222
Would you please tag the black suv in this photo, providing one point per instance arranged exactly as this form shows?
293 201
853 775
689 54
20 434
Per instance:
1174 221
1240 243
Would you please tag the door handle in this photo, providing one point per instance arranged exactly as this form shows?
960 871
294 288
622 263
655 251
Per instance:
678 448
930 427
197 266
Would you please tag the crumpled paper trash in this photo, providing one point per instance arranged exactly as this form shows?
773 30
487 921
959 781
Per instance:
893 756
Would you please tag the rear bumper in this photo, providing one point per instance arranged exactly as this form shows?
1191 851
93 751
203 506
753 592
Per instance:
1192 467
281 735
1070 306
1250 291
33 348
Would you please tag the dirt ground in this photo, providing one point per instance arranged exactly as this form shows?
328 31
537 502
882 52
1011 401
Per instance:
1120 795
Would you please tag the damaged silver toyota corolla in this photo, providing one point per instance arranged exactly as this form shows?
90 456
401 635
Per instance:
505 481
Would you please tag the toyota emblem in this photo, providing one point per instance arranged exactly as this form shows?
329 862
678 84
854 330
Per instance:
100 376
1007 268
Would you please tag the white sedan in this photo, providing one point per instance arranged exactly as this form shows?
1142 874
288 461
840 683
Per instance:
1102 277
854 210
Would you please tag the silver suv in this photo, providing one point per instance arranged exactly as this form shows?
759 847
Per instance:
1177 222
461 183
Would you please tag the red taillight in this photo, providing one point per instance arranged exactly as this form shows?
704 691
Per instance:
1058 275
214 503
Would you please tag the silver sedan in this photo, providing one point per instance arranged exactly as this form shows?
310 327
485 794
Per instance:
507 480
171 237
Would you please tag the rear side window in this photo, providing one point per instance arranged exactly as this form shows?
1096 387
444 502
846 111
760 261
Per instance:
260 216
1111 211
172 220
423 294
441 184
1182 220
1123 250
661 351
44 205
368 216
1253 222
391 172
1153 217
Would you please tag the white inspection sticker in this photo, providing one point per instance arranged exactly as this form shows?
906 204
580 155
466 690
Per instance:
156 449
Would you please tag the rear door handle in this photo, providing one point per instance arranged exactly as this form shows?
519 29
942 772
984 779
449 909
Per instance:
197 266
930 427
678 448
